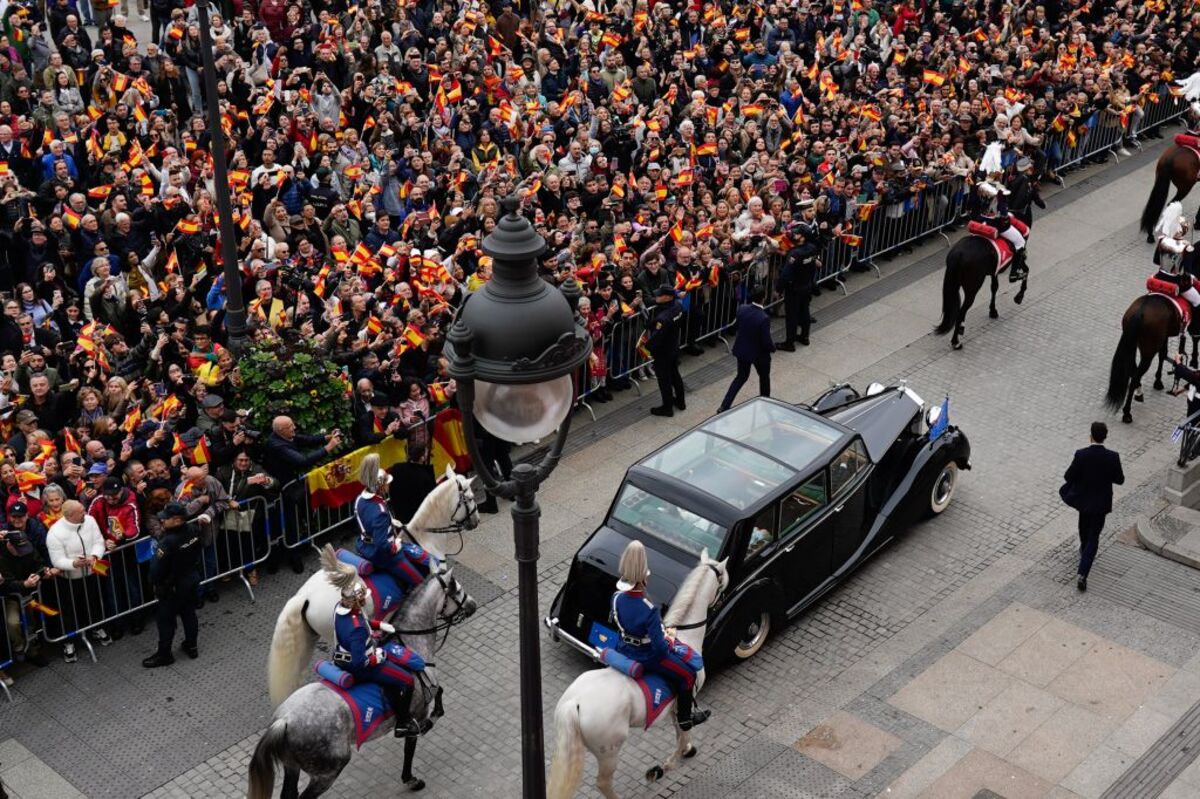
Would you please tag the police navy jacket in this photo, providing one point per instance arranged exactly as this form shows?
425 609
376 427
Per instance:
637 617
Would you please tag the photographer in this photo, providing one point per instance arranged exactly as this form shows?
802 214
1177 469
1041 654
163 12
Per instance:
288 456
22 568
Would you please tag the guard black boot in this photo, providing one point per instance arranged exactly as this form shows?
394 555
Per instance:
688 717
1018 271
406 727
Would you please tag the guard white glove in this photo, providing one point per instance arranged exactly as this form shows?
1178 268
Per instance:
387 628
374 657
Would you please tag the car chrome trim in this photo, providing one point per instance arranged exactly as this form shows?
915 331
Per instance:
583 648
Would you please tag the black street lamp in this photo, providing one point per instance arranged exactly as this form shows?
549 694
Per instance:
235 309
514 349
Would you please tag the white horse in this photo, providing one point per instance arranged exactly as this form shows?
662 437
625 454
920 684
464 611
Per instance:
308 616
598 709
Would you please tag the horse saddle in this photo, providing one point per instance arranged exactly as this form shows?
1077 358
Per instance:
1004 250
366 700
1170 291
657 691
386 592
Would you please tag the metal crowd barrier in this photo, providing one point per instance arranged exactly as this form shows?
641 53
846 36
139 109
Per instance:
8 652
301 523
73 607
1105 131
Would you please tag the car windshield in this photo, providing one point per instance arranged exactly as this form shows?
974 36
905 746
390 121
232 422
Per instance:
784 433
725 469
667 521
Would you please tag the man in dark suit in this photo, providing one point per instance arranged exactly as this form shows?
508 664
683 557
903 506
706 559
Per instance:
1090 479
752 347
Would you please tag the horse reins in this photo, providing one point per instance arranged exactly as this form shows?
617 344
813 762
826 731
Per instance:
458 617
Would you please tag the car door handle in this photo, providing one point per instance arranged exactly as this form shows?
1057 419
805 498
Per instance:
840 508
789 549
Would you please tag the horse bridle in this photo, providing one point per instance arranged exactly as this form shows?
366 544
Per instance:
451 590
464 503
703 622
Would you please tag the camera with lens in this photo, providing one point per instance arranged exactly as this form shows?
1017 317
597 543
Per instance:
296 280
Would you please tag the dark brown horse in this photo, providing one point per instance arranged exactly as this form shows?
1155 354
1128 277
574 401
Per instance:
1179 166
970 261
1146 330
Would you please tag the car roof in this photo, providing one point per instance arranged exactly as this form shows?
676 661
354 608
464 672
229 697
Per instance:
753 453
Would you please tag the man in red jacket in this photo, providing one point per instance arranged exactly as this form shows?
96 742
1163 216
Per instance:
116 513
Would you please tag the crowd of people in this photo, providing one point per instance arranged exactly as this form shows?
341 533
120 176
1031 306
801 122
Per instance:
370 145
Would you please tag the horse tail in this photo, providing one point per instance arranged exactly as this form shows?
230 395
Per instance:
1124 361
291 648
262 764
951 300
1158 196
566 770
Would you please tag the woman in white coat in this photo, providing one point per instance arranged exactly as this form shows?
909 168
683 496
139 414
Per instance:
75 543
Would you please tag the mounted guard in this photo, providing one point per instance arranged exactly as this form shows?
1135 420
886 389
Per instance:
991 203
361 652
378 541
645 640
1172 246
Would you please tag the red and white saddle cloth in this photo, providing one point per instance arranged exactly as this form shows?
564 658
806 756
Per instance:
1004 250
1189 141
1167 289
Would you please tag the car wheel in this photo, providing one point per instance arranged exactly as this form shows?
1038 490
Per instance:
751 633
942 490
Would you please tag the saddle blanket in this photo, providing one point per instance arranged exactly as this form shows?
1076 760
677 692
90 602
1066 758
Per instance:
1004 250
658 691
1154 286
386 594
1190 142
367 705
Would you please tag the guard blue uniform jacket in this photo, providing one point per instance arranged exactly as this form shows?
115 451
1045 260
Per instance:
355 652
640 626
410 565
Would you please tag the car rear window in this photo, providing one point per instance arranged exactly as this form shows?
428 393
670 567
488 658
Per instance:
720 467
668 522
786 434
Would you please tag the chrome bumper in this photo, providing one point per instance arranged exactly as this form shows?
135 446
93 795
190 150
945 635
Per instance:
557 634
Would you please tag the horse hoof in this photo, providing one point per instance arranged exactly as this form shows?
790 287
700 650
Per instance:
994 314
415 784
654 773
1139 398
1127 418
1019 298
692 751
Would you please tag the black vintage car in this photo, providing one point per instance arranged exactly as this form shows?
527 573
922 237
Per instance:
795 496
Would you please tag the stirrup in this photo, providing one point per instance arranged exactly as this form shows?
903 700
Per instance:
698 717
410 729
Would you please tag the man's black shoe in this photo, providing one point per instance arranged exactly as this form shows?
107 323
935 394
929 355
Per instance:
213 596
662 410
786 346
489 505
117 634
37 659
1081 584
692 349
191 651
156 661
803 341
408 729
680 405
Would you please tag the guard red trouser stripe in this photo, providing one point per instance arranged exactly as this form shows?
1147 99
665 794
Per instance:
406 569
684 673
397 673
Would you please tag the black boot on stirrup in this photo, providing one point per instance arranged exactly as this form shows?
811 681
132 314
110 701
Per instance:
1018 271
688 717
406 727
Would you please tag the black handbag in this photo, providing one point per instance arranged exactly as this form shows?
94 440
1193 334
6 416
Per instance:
1069 495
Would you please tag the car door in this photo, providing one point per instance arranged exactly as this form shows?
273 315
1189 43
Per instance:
805 539
848 473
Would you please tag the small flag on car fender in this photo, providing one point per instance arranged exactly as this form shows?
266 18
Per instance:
942 422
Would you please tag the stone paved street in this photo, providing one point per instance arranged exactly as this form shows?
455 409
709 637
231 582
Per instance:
959 660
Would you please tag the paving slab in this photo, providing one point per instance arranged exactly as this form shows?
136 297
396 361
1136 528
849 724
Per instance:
848 745
951 691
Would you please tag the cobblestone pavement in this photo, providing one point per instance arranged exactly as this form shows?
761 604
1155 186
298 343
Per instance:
943 667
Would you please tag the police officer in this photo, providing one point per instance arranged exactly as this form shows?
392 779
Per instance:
175 575
390 667
662 340
797 276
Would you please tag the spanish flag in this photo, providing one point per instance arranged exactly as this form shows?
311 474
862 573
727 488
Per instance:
934 77
201 454
27 481
413 336
101 567
374 325
187 227
337 483
72 217
449 443
437 394
70 443
45 610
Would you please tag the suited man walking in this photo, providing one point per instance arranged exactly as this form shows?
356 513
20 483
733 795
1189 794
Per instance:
752 348
1088 489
